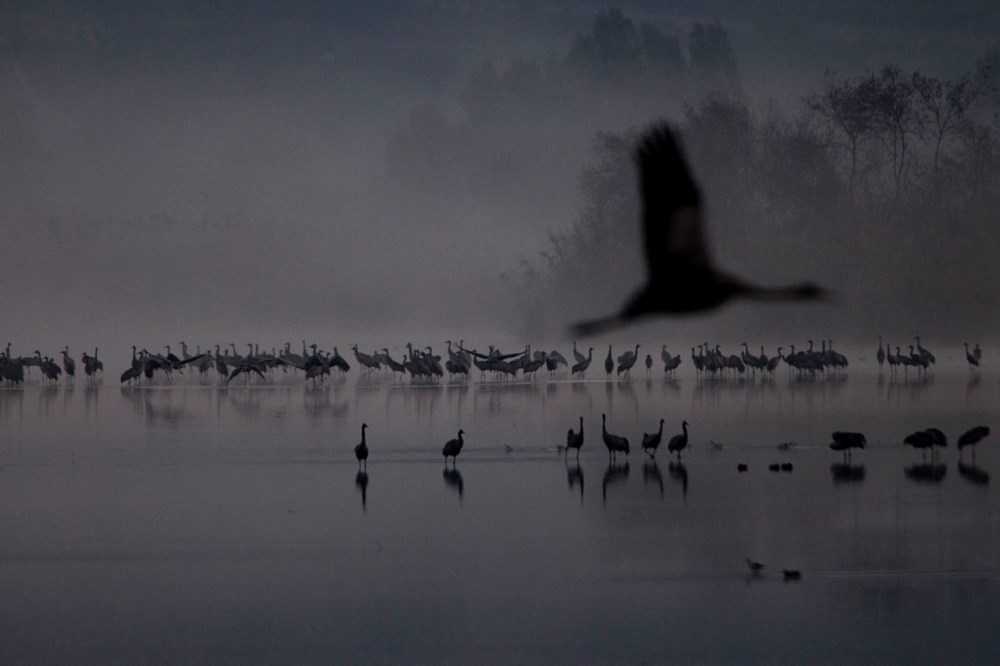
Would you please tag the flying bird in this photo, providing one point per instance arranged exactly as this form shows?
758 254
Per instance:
681 276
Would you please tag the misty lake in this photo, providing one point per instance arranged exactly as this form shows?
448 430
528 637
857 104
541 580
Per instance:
191 522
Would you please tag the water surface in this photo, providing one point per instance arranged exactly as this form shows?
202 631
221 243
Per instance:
197 523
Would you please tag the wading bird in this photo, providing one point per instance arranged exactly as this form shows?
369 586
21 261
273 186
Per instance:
651 441
845 441
361 450
615 443
679 442
574 440
681 275
581 366
453 447
970 437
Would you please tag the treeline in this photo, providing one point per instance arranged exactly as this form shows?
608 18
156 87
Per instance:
885 186
512 144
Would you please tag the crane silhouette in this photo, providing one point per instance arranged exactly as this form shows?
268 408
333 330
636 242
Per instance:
681 276
581 366
453 447
574 440
615 443
651 440
679 442
361 450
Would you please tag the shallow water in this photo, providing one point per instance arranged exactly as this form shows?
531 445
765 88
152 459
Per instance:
193 523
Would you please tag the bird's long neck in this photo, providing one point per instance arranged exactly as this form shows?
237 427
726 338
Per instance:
581 425
805 291
661 426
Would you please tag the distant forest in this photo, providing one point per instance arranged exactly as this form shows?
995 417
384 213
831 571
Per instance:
884 185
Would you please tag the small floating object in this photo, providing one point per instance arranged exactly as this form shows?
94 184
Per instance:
508 448
741 467
786 467
716 446
792 574
784 446
755 567
774 467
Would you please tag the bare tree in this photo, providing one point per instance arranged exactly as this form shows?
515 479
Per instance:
847 109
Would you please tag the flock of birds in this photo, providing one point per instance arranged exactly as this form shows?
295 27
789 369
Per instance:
423 365
843 441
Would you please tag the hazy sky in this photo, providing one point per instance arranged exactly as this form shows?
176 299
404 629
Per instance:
174 170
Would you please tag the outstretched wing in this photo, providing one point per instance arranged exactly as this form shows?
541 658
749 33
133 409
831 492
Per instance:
671 206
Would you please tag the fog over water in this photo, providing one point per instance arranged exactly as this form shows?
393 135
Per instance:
276 173
415 171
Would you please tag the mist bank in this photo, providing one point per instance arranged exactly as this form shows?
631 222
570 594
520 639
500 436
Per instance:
272 173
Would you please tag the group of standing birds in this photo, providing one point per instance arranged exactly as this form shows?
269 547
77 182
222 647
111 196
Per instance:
931 439
617 444
13 368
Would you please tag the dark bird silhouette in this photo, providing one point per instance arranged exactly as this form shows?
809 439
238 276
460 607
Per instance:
681 276
970 358
651 441
679 442
453 447
574 440
361 450
970 437
581 366
755 567
845 441
921 439
609 362
615 443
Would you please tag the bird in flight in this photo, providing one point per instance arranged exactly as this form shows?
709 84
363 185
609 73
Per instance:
682 277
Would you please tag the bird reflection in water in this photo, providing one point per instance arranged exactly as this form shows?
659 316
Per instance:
361 482
453 479
678 472
847 473
926 472
615 473
574 475
651 474
974 475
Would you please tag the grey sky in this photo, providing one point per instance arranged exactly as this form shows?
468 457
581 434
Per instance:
175 170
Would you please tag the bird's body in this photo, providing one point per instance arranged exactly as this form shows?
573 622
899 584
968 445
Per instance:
574 440
361 450
615 443
970 357
609 362
681 276
755 567
581 366
845 441
651 440
453 447
971 436
678 443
